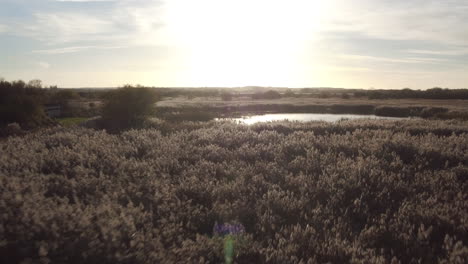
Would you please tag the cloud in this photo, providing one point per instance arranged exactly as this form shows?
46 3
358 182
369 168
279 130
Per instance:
450 52
347 69
390 60
3 28
143 21
85 0
131 22
67 27
43 65
72 49
428 20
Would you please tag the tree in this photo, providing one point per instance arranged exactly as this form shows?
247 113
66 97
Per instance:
36 83
128 107
23 104
289 93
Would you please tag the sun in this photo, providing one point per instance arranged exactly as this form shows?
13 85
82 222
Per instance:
243 42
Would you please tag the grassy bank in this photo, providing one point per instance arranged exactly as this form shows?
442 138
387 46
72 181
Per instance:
71 121
350 192
204 113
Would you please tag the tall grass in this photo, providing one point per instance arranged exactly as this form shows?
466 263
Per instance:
355 191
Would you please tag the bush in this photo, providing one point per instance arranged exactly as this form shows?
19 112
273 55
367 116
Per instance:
12 129
128 107
433 111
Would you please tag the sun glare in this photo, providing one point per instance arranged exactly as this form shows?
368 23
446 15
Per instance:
237 43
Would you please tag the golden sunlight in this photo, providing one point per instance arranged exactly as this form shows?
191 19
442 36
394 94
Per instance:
237 43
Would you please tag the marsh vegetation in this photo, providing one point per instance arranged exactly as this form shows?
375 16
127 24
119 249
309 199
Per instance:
365 191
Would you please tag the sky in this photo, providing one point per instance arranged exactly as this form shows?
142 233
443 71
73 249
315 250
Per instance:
381 44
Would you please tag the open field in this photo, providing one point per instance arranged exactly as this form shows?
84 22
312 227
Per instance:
347 192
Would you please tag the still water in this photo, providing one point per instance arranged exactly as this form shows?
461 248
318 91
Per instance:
249 120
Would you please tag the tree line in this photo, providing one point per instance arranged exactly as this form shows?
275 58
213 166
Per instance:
25 104
433 93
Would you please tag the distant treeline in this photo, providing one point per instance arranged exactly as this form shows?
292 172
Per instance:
276 93
433 93
189 92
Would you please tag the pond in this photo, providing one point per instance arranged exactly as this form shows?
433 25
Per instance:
304 117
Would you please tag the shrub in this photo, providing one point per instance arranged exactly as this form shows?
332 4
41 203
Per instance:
392 111
226 96
433 111
128 107
11 129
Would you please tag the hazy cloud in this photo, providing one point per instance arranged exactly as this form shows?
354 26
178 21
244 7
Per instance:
391 60
68 27
3 28
125 21
43 65
429 20
450 52
85 0
71 49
